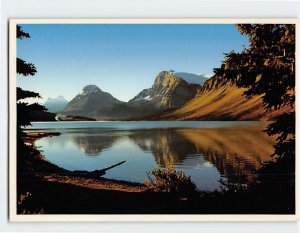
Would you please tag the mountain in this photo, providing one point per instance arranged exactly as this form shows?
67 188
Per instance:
191 78
221 100
90 101
55 104
172 97
167 92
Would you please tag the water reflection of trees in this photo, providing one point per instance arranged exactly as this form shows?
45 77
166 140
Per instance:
235 152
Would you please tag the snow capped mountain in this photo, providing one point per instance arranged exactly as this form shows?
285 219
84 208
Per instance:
144 95
191 78
55 104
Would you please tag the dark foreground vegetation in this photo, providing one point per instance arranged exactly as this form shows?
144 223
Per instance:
56 198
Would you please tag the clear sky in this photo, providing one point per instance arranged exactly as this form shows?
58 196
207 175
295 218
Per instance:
120 59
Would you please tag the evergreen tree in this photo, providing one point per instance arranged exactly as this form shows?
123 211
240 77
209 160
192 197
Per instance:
267 68
25 110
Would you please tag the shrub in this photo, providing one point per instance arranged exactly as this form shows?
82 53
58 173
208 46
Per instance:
170 180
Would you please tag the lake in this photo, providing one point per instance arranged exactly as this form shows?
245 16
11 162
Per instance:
208 151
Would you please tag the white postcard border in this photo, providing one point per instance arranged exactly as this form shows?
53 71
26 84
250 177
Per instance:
14 217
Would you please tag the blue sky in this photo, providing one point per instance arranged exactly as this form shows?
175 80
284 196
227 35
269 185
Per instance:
120 59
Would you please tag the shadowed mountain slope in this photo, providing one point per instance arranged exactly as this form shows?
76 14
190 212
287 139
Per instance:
219 100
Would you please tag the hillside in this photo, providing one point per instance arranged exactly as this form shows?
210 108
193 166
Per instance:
219 100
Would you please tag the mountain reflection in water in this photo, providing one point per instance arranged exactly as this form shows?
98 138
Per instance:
207 154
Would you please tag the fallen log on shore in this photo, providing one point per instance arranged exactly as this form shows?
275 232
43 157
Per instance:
95 173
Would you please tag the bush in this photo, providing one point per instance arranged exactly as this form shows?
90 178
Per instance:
171 181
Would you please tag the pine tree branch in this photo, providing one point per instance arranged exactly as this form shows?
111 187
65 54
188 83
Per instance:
21 34
25 68
23 94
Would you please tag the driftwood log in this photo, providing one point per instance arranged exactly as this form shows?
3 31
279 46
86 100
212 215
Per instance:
95 173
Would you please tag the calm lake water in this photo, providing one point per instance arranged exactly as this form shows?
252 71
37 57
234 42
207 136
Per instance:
207 151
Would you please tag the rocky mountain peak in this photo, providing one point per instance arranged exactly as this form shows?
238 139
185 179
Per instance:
89 89
167 91
164 77
90 100
214 83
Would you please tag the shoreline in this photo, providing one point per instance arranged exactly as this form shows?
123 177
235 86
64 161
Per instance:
57 174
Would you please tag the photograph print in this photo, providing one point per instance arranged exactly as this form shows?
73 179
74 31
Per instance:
117 118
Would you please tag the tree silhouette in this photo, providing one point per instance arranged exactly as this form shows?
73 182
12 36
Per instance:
25 68
267 68
25 110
